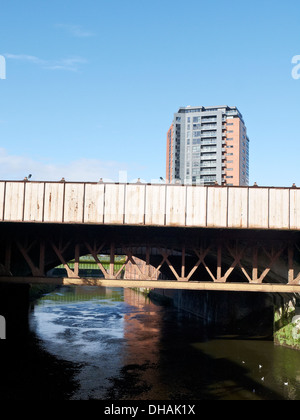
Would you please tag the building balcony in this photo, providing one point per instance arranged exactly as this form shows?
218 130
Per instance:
208 134
208 126
208 172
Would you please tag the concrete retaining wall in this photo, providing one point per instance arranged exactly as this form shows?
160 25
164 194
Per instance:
275 316
238 313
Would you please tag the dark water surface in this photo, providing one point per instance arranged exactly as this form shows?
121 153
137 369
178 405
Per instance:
115 344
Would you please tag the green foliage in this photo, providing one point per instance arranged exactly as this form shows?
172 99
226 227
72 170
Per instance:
286 333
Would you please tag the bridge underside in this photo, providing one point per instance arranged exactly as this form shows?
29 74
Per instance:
173 257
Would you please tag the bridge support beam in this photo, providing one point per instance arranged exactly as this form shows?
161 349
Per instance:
153 284
182 255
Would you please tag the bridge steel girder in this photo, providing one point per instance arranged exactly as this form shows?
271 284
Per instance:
217 258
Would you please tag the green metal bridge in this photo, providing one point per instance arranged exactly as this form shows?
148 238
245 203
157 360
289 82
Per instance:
88 268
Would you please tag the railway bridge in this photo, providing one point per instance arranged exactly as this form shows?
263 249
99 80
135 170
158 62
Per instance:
173 236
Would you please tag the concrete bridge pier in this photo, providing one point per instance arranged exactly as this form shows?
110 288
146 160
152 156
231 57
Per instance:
233 313
267 315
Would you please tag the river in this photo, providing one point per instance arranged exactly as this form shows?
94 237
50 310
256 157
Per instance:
89 343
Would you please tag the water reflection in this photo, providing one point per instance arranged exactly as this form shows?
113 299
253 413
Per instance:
127 347
84 326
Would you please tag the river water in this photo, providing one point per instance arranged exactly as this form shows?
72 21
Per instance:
116 344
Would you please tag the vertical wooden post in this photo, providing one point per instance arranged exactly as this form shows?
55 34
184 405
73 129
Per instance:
112 260
183 264
147 273
42 257
219 262
76 265
255 263
291 274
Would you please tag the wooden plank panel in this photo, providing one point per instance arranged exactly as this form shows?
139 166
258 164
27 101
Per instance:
14 201
258 208
295 209
217 207
134 204
237 207
94 203
34 202
155 205
196 206
279 209
2 188
114 204
73 206
175 205
54 202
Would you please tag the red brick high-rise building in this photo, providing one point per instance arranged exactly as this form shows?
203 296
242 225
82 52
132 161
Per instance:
208 145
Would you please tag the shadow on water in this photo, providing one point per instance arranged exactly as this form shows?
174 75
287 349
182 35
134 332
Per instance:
30 373
190 366
27 370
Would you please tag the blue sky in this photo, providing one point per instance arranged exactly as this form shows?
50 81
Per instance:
91 86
